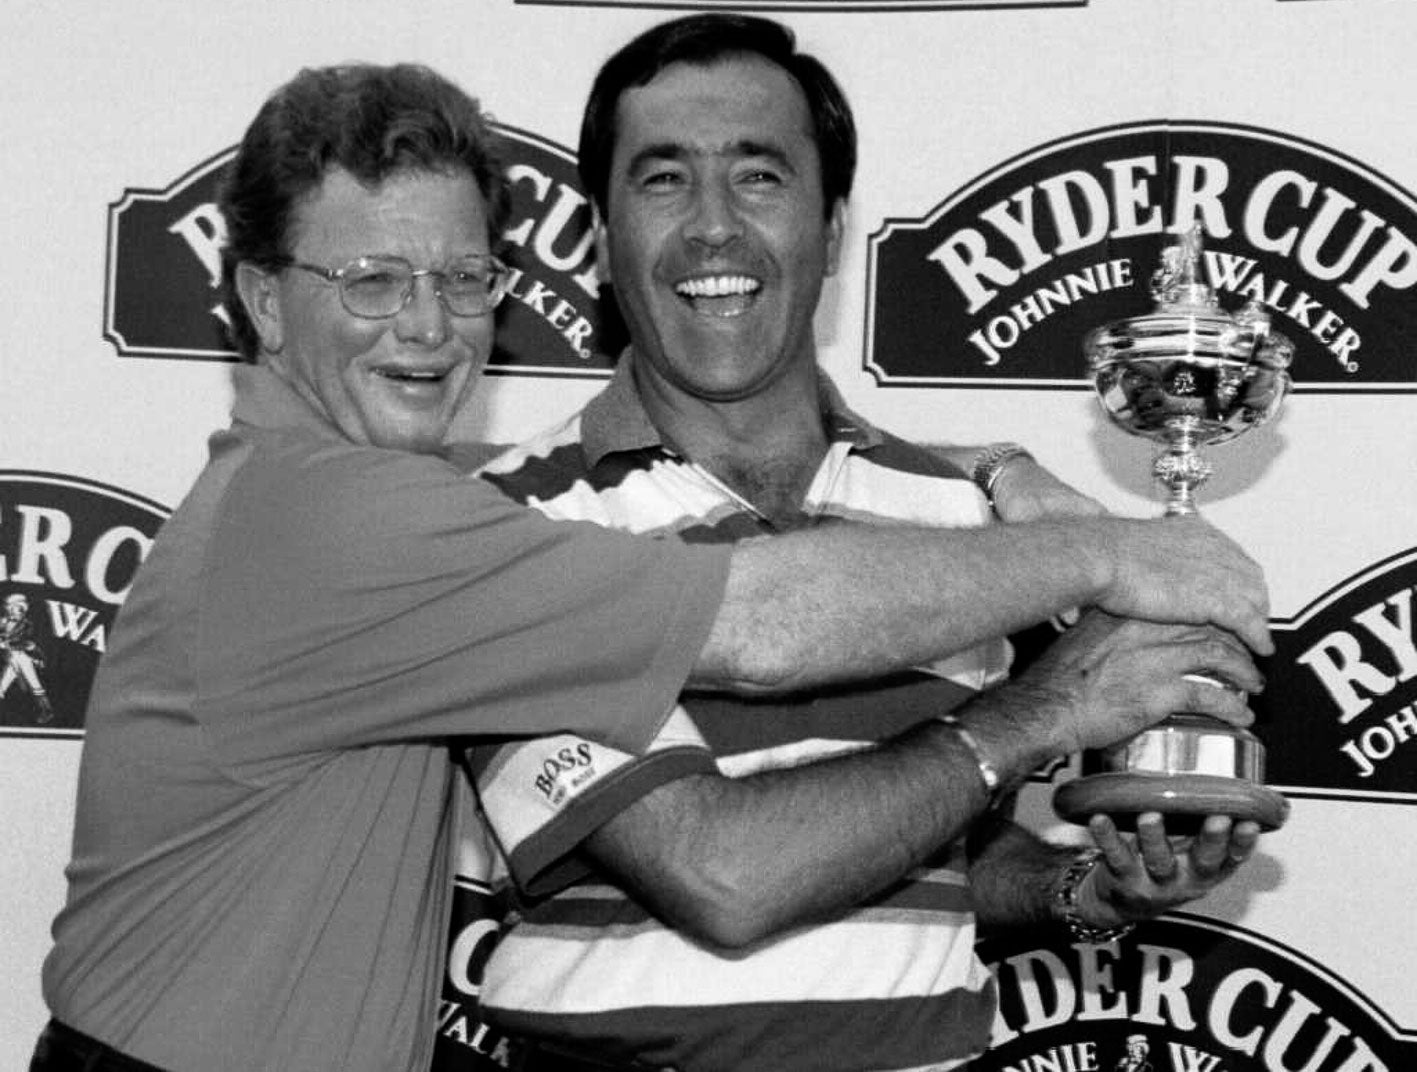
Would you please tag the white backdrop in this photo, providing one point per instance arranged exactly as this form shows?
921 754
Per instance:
105 97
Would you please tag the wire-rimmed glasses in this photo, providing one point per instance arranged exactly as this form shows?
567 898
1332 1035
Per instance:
373 288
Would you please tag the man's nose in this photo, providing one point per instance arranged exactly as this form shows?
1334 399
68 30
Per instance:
714 219
423 318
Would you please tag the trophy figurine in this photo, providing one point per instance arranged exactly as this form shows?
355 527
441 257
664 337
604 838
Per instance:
1186 375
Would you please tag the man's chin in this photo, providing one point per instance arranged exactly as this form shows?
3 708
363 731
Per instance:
414 440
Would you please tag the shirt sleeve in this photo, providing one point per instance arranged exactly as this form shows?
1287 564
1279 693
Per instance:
542 798
356 596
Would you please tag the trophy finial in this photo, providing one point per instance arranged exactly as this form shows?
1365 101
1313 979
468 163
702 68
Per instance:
1178 282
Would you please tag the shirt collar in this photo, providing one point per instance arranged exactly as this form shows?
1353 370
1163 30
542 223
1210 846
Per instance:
615 420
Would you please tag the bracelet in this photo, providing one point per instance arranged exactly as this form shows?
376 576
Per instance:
988 773
989 464
1065 902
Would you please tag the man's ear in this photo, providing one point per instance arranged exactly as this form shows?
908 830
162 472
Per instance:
602 247
836 227
260 297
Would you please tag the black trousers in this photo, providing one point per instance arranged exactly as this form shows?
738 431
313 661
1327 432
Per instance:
62 1049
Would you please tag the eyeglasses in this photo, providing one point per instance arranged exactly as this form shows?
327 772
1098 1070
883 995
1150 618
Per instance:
376 287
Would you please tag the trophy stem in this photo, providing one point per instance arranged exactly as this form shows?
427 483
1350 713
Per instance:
1180 467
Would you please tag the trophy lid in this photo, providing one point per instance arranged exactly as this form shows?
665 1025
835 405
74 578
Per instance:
1188 368
1188 322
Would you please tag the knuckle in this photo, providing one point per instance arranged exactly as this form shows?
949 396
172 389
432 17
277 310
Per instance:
1218 649
1209 700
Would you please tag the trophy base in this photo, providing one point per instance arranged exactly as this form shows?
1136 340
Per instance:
1184 800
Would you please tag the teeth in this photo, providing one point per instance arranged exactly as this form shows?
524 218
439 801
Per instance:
399 374
718 286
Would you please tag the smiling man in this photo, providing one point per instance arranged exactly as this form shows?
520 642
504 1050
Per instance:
718 319
384 367
794 885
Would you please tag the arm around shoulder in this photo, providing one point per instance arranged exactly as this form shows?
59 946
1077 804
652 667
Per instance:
851 601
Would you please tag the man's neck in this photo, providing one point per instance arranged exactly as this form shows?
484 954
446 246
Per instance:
773 478
767 448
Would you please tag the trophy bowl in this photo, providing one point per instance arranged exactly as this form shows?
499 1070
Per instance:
1187 375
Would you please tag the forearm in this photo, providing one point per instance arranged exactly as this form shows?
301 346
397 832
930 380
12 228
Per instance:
1014 876
733 860
730 861
851 601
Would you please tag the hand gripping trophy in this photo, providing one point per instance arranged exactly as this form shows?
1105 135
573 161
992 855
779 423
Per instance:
1186 375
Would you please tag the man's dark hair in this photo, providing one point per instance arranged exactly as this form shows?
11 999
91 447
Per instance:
704 40
373 122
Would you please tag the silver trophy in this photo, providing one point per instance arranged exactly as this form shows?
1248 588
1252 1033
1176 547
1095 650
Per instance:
1186 375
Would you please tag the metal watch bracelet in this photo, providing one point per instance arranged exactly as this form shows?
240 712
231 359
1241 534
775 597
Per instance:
989 464
1065 902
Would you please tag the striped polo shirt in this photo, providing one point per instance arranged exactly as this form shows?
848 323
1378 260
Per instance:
892 984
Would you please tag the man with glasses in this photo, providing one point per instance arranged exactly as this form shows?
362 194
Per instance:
261 866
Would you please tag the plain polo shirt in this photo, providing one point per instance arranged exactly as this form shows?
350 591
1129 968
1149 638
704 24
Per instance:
261 866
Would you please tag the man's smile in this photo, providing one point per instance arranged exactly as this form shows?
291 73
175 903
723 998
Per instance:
415 384
412 375
719 295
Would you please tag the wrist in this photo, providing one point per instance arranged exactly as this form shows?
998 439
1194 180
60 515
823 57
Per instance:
1023 725
1091 545
989 465
989 776
1077 904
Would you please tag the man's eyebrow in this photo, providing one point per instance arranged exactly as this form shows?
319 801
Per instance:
771 150
742 149
664 150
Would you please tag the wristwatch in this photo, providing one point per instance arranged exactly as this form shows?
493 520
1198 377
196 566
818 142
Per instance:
1065 902
989 465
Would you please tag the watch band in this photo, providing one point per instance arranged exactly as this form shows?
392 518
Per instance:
989 464
1065 902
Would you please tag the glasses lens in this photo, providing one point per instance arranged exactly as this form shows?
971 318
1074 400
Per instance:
375 288
472 286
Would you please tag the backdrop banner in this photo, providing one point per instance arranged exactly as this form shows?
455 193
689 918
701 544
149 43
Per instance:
1022 165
